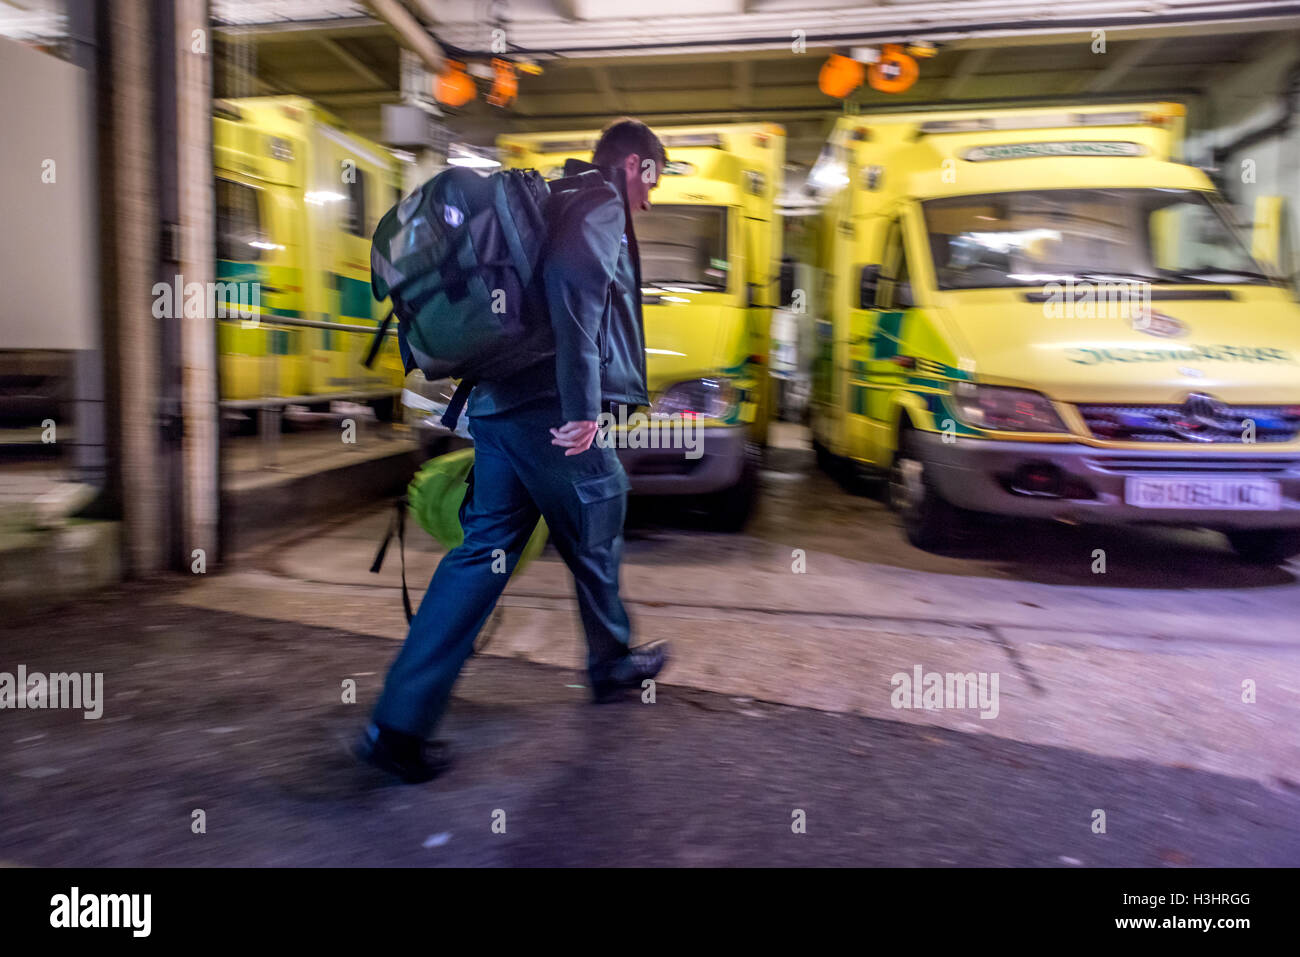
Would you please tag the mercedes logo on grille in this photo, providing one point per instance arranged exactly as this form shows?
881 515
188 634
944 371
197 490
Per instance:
1202 417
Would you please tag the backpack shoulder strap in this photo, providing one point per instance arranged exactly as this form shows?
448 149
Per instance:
378 341
583 180
457 403
510 232
397 526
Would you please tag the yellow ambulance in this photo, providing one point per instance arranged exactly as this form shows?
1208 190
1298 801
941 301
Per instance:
297 200
1043 313
710 257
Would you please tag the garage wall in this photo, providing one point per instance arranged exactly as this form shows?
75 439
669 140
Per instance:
46 248
1251 99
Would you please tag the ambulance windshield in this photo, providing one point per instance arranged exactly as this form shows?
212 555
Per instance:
1042 236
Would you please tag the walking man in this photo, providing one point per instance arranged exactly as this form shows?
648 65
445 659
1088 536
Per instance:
534 454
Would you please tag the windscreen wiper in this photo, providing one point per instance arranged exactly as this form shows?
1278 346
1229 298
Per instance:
1105 276
1200 275
1171 276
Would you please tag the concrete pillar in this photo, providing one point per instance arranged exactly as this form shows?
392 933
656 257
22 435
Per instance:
131 259
89 451
157 172
200 414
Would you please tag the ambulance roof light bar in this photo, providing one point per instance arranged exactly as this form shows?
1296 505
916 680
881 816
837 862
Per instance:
1043 121
691 139
567 146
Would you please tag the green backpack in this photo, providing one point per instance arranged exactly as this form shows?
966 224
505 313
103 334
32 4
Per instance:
433 498
460 260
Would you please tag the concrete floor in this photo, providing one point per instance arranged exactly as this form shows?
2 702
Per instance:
1145 661
1120 692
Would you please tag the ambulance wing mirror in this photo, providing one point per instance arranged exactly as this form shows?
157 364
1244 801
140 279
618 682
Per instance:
1269 236
868 281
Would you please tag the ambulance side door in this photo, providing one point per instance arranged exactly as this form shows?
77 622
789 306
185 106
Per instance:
884 293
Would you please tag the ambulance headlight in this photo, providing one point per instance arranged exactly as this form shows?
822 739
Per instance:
702 398
1006 410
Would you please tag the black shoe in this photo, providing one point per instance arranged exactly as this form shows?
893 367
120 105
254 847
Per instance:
406 756
640 663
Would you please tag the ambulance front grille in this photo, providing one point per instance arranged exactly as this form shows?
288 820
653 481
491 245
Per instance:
1199 422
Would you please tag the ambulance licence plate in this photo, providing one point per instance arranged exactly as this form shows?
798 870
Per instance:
1203 493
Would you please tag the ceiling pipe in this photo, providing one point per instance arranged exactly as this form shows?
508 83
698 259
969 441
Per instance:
1288 106
939 31
409 32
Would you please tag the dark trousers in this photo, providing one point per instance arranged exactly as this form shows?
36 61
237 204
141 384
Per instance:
517 475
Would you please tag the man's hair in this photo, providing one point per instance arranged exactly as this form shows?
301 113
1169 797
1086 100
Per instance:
623 137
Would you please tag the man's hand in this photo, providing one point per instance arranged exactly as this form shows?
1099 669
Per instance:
575 436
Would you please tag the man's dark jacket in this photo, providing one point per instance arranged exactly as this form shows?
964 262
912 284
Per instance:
592 281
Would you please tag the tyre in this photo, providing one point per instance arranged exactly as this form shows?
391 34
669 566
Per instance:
1269 546
730 509
930 522
385 409
852 476
825 460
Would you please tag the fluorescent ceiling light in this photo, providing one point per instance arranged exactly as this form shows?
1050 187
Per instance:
473 162
462 154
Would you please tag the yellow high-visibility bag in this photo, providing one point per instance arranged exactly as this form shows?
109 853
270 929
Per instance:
434 498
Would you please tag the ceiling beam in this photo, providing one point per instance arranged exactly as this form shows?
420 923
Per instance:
410 33
687 58
605 87
970 64
358 100
296 30
357 67
1121 65
265 81
572 110
743 88
1267 47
